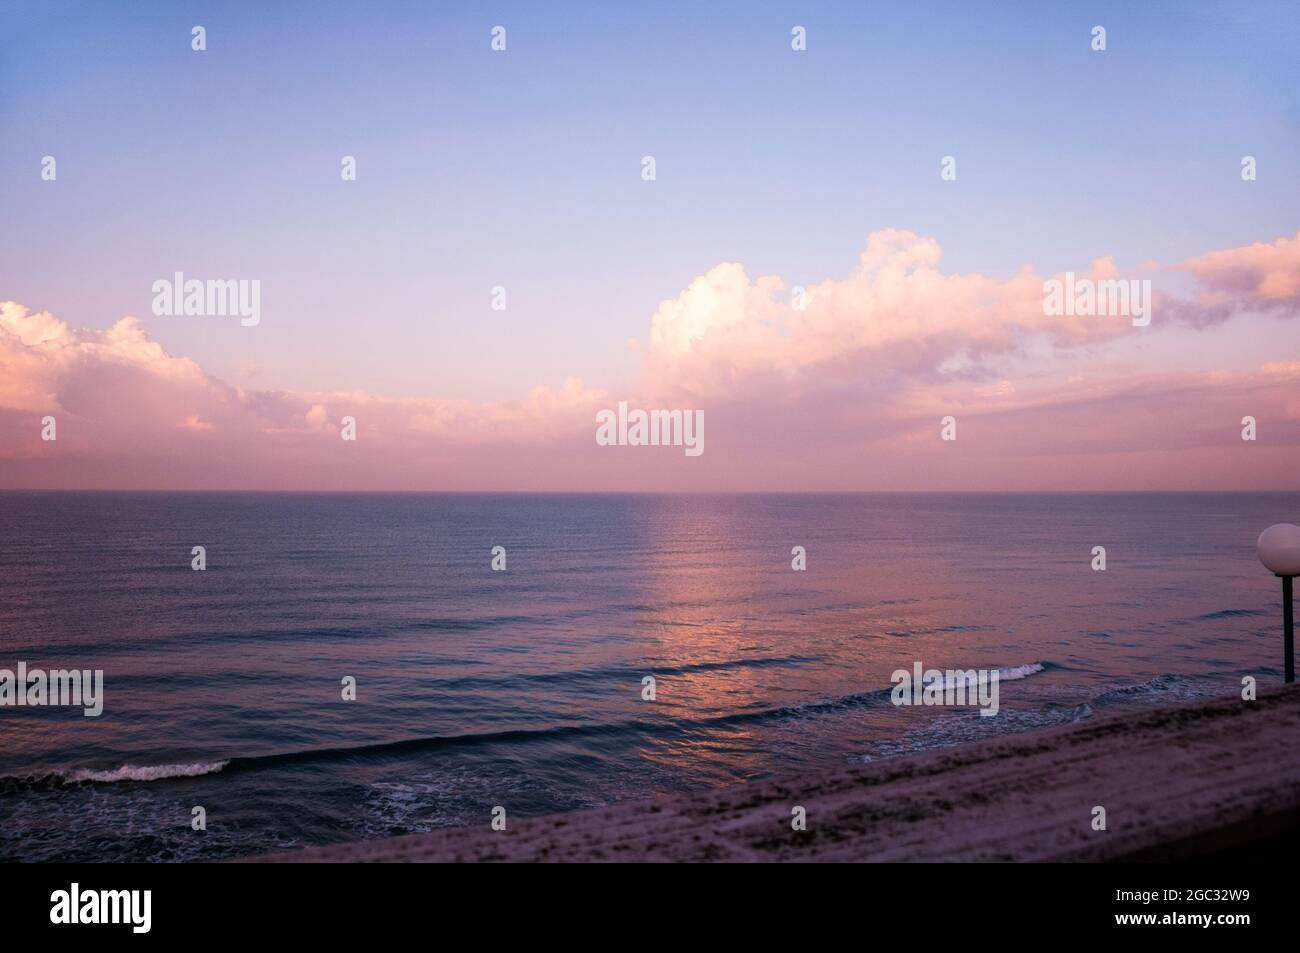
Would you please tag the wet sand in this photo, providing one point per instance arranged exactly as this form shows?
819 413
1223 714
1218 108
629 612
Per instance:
1176 783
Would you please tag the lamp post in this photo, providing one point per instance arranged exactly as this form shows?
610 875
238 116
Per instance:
1279 550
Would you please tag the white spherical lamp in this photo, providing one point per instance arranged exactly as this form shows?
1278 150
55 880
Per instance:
1279 549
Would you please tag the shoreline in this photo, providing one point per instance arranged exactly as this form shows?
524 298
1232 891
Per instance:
1179 782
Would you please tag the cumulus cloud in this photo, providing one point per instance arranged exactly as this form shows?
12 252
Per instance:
1260 275
841 393
1263 277
897 313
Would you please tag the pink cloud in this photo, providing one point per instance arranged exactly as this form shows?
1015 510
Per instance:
1263 276
843 393
1256 275
898 314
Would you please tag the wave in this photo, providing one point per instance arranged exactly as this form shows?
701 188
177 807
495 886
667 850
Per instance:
621 671
655 729
945 732
1162 688
126 772
1228 614
1020 671
942 630
153 772
953 677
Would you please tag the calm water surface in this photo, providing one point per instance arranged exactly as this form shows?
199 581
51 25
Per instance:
523 688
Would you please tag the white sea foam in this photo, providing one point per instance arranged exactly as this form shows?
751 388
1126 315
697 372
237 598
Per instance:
152 772
1019 671
952 677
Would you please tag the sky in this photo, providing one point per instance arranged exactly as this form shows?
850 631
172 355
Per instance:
775 169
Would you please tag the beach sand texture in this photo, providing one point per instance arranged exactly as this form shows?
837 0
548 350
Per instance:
1176 782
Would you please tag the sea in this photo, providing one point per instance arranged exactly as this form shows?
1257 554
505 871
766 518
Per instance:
353 666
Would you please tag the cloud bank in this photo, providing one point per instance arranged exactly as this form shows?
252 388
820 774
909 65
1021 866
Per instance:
836 386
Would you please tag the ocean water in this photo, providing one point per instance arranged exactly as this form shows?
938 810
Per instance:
523 688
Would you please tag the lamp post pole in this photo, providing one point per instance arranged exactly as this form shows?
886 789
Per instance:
1288 629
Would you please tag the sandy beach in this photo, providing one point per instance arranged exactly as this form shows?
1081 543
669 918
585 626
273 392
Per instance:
1176 783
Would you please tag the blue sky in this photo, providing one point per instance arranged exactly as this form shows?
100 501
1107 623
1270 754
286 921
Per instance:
522 169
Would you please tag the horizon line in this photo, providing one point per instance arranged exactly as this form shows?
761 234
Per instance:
317 492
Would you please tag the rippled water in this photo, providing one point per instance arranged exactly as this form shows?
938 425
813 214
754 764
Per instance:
523 688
